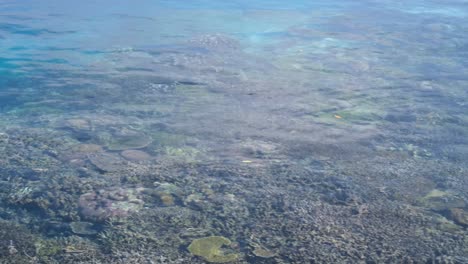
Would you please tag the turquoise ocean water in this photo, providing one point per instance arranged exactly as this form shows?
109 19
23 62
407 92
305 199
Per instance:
233 131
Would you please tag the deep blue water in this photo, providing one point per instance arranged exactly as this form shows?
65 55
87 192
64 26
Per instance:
233 131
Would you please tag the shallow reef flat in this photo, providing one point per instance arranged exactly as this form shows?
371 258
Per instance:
234 132
328 203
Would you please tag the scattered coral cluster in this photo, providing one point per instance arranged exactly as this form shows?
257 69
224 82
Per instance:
106 203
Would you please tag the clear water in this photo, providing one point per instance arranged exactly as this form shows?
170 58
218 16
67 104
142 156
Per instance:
300 131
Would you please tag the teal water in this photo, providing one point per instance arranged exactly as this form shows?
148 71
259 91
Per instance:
233 131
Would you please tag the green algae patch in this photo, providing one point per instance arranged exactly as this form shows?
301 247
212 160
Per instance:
209 248
351 115
436 194
46 248
440 201
460 216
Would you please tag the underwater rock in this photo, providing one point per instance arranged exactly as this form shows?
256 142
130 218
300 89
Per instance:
459 216
83 228
106 162
135 155
209 248
263 253
113 202
129 140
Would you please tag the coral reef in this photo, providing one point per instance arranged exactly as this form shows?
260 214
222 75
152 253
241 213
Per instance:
78 124
302 137
460 216
128 139
114 202
87 148
261 252
438 200
84 228
209 248
16 243
135 155
106 162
